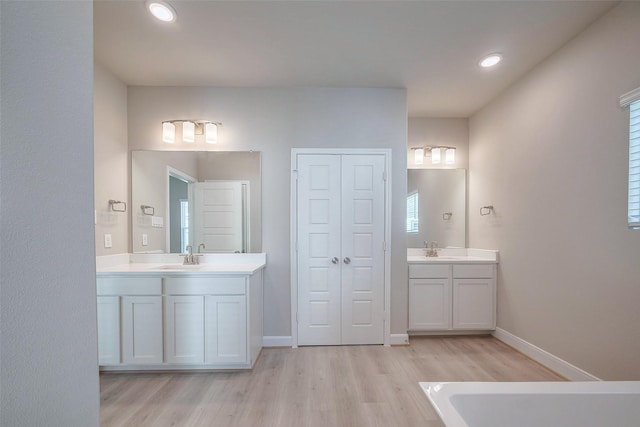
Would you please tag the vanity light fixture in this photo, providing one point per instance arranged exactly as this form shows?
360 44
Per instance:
436 155
161 11
490 60
190 128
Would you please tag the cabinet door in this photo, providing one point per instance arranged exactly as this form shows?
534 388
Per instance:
141 330
108 330
429 304
474 304
225 329
184 329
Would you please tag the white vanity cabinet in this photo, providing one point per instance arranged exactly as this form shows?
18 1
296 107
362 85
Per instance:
179 321
452 296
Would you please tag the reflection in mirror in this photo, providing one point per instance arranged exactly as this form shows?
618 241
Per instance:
209 200
436 207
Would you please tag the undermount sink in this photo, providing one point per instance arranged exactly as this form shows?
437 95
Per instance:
179 267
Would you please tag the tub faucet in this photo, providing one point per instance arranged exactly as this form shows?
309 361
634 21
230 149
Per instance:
432 248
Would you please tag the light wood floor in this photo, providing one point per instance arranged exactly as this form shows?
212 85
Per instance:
315 386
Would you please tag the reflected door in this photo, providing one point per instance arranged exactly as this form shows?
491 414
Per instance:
340 220
218 213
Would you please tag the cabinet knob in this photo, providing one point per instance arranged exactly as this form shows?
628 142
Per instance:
347 260
335 260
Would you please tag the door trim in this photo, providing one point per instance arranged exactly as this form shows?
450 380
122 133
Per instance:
293 249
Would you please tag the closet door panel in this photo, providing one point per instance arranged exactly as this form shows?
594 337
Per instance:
318 225
362 249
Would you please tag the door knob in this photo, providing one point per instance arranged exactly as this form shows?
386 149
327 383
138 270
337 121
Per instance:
347 260
335 260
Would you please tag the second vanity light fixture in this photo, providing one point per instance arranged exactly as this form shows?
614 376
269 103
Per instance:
190 128
436 155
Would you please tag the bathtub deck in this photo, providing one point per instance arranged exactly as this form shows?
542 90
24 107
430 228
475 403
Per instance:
315 386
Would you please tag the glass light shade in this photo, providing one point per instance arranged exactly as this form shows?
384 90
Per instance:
418 156
450 156
436 155
168 132
188 132
211 133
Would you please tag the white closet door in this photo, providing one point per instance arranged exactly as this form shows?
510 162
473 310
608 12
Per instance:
362 249
218 216
319 257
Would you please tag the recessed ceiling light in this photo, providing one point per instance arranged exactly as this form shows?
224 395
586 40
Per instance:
161 10
490 60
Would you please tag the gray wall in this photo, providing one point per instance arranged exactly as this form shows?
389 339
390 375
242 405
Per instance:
551 155
273 121
48 352
111 162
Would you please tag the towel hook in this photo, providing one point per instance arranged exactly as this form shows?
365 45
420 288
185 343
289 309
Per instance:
486 210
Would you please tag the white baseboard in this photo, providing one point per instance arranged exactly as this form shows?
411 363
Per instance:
399 339
276 341
543 357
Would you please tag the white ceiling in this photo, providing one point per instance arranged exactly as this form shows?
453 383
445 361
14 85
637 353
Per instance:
430 48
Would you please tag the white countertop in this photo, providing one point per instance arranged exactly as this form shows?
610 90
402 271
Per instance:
171 265
453 256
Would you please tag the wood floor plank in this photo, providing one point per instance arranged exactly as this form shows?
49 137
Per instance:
315 386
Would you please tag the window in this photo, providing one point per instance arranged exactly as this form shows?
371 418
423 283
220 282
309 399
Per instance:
634 164
184 224
632 100
412 213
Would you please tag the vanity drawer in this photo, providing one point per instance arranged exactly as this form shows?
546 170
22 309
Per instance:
424 271
473 271
129 286
205 285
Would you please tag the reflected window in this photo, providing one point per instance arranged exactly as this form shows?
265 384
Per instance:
634 165
412 213
184 224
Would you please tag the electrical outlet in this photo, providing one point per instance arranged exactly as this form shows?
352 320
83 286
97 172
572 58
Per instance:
107 241
145 240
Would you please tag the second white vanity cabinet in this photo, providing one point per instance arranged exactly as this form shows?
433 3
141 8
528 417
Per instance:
452 296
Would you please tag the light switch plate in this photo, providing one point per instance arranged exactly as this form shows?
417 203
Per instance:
145 240
107 241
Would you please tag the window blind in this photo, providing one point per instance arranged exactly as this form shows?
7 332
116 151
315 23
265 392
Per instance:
412 213
634 165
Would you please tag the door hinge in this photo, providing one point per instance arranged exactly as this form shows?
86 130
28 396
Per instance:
384 176
296 317
295 174
384 245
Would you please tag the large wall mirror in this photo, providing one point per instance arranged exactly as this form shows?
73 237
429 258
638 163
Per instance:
210 200
436 207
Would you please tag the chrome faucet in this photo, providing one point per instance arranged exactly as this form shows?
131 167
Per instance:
201 246
189 257
432 248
